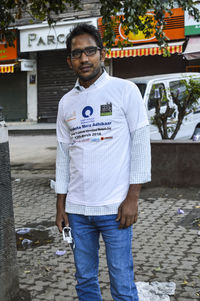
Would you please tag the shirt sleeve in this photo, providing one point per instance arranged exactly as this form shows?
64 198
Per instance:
140 169
62 130
134 108
62 168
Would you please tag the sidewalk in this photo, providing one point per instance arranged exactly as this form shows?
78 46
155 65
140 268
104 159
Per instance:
33 152
30 128
166 245
163 249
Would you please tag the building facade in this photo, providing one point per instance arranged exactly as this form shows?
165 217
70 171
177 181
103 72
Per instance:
40 75
52 77
33 81
144 57
12 83
192 50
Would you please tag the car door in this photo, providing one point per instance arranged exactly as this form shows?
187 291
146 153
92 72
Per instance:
157 90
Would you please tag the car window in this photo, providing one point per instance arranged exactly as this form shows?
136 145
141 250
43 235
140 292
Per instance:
178 88
197 79
142 88
157 92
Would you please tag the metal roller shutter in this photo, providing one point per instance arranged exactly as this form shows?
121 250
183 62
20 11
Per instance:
55 78
13 95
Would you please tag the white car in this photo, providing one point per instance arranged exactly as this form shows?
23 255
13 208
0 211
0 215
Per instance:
196 136
152 87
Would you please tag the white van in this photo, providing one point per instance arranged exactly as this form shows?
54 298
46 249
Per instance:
164 84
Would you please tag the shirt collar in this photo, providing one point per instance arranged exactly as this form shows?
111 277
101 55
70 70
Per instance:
98 82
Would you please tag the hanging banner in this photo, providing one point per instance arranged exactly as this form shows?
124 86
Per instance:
150 49
173 29
7 68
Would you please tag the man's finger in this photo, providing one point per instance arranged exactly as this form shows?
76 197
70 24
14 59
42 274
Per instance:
66 221
119 214
59 225
122 222
135 219
129 221
59 221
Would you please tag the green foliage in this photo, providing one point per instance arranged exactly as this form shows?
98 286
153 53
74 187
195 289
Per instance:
134 12
6 18
135 18
42 10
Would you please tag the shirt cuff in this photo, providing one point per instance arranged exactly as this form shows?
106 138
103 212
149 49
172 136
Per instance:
140 170
62 168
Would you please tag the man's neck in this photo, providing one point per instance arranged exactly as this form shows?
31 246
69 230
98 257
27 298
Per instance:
87 84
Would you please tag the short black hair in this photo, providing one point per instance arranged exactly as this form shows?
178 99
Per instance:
82 29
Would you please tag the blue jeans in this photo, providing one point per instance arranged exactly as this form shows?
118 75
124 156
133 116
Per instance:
86 231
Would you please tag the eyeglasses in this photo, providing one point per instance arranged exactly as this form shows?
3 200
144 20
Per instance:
89 51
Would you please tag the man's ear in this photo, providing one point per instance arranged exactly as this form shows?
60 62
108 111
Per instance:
69 62
103 54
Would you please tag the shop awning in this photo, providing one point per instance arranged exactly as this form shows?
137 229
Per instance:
151 49
192 50
7 68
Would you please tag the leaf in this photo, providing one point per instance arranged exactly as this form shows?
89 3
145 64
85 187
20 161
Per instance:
27 272
157 269
184 282
132 10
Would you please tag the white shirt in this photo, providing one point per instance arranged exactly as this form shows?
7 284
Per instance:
96 123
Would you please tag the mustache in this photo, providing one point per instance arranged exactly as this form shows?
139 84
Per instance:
85 65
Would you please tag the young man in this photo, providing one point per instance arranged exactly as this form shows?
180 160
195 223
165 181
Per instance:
103 156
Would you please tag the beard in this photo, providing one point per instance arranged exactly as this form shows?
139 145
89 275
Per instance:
91 76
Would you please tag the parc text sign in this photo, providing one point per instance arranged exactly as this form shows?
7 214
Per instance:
40 37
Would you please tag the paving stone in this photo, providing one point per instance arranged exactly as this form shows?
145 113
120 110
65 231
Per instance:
157 243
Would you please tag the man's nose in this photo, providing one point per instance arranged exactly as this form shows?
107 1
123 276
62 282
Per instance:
84 57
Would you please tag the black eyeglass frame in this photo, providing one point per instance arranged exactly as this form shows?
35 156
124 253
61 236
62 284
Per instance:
95 48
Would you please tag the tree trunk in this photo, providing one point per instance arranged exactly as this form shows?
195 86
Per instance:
9 284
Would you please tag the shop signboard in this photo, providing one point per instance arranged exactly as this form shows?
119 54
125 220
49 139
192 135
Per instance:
9 52
28 65
192 27
173 29
40 37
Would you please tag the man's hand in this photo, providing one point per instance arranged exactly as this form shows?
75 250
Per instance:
61 215
128 210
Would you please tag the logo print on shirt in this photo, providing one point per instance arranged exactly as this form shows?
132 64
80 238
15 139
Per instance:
72 116
106 109
87 112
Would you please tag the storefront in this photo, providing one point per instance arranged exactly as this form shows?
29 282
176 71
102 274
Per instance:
12 84
53 77
192 50
144 57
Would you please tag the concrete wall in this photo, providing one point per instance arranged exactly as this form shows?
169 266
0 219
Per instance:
175 163
89 8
